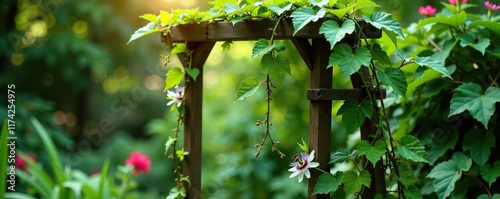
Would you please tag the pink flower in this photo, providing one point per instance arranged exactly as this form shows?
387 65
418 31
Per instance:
139 162
22 164
453 2
301 165
492 7
427 11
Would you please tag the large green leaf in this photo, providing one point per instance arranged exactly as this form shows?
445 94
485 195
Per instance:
454 21
383 20
479 144
174 78
447 173
341 12
150 18
468 39
342 155
412 192
379 55
353 113
470 96
277 68
364 4
353 182
261 47
328 182
145 30
302 16
434 64
427 76
372 153
442 142
349 62
490 173
406 174
334 33
247 88
410 148
395 78
494 26
280 10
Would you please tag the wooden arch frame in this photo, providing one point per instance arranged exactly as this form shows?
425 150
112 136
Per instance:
314 50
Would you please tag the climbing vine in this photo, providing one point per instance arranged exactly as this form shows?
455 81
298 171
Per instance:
415 84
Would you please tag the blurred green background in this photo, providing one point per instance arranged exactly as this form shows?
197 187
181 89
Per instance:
101 98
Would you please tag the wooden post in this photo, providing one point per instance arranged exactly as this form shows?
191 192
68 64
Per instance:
320 113
193 104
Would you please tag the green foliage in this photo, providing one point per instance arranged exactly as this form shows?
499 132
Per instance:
354 114
434 64
394 78
372 153
353 182
447 173
411 149
342 155
335 33
247 88
302 16
348 61
328 182
174 78
383 20
479 144
412 192
261 47
277 67
148 29
491 173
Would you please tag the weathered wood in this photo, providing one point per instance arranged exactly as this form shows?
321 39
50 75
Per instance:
305 50
193 105
252 30
320 114
340 94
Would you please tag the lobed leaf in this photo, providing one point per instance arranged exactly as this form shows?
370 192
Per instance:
468 40
479 144
247 88
302 16
434 64
335 33
353 113
353 182
349 62
410 148
490 173
143 31
342 155
277 67
383 20
174 78
412 192
395 78
261 47
372 153
328 182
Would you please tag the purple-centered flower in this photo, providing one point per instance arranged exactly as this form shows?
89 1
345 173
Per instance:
176 97
301 164
492 7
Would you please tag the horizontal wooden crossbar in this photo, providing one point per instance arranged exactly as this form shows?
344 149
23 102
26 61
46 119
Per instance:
339 94
252 30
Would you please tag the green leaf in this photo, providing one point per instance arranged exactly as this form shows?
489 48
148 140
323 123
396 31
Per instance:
179 48
341 12
169 143
150 18
479 144
442 142
229 8
364 4
247 88
320 4
493 26
383 20
485 196
141 32
220 4
226 45
174 78
395 78
467 39
302 16
193 72
277 68
261 47
412 192
333 33
463 162
379 55
490 173
103 182
353 182
406 175
280 10
410 148
328 182
427 76
470 96
454 21
353 113
349 62
181 153
342 155
372 153
434 64
304 146
445 176
165 18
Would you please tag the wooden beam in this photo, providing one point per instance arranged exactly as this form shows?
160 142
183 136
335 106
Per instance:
340 94
193 117
252 30
320 115
305 50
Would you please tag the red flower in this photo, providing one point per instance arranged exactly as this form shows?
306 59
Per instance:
23 165
139 162
453 2
427 11
492 7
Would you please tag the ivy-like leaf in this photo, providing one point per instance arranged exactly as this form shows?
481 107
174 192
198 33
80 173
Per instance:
229 8
280 10
333 33
328 182
410 148
467 39
341 12
353 113
342 155
150 18
412 192
261 47
364 4
406 175
193 72
320 4
427 76
434 64
145 30
485 196
302 16
165 18
349 62
174 78
353 182
479 144
247 88
179 48
379 55
395 78
383 20
470 96
226 45
490 173
372 153
446 174
277 68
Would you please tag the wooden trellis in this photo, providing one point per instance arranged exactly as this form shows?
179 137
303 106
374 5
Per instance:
314 50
